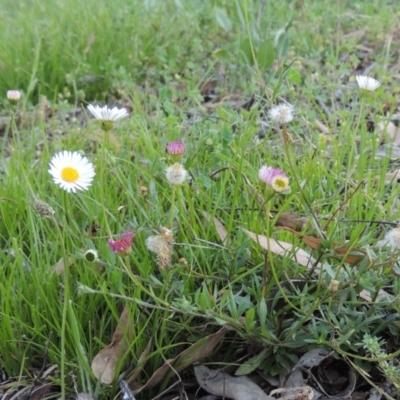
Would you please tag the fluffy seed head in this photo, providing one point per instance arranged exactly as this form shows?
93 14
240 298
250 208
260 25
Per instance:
161 245
43 209
176 174
282 113
393 238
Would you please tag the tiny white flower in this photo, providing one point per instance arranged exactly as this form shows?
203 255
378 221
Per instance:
107 114
367 83
282 113
176 174
71 171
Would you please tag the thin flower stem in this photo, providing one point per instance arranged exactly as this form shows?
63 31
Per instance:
103 179
172 211
286 137
65 301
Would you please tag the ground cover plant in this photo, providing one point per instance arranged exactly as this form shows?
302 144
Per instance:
199 199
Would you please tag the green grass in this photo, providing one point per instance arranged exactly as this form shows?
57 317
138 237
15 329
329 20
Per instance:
153 57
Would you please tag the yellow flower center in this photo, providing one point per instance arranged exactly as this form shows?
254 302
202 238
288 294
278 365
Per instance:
69 174
280 184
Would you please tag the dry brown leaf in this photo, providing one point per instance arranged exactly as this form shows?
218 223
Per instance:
340 251
382 295
60 266
105 362
84 396
203 348
226 386
41 392
389 129
292 220
221 230
141 360
283 249
390 177
297 393
323 128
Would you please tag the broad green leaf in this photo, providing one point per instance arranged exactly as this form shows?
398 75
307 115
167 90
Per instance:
251 364
245 50
282 45
266 54
223 19
250 314
294 76
240 12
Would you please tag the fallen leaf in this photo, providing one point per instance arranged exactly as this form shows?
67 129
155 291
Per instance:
390 177
219 226
292 220
389 129
105 362
84 396
41 392
323 128
300 393
382 295
333 377
350 255
203 348
283 249
60 266
226 386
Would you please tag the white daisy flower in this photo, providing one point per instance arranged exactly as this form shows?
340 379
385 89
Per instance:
71 171
282 113
367 83
107 116
176 174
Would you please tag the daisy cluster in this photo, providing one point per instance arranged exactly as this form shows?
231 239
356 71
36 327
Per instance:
73 172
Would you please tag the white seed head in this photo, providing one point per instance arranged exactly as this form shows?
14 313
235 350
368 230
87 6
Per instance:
176 174
282 113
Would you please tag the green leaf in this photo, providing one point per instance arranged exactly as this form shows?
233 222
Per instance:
240 12
251 364
262 312
266 54
245 51
250 314
294 76
282 44
223 19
